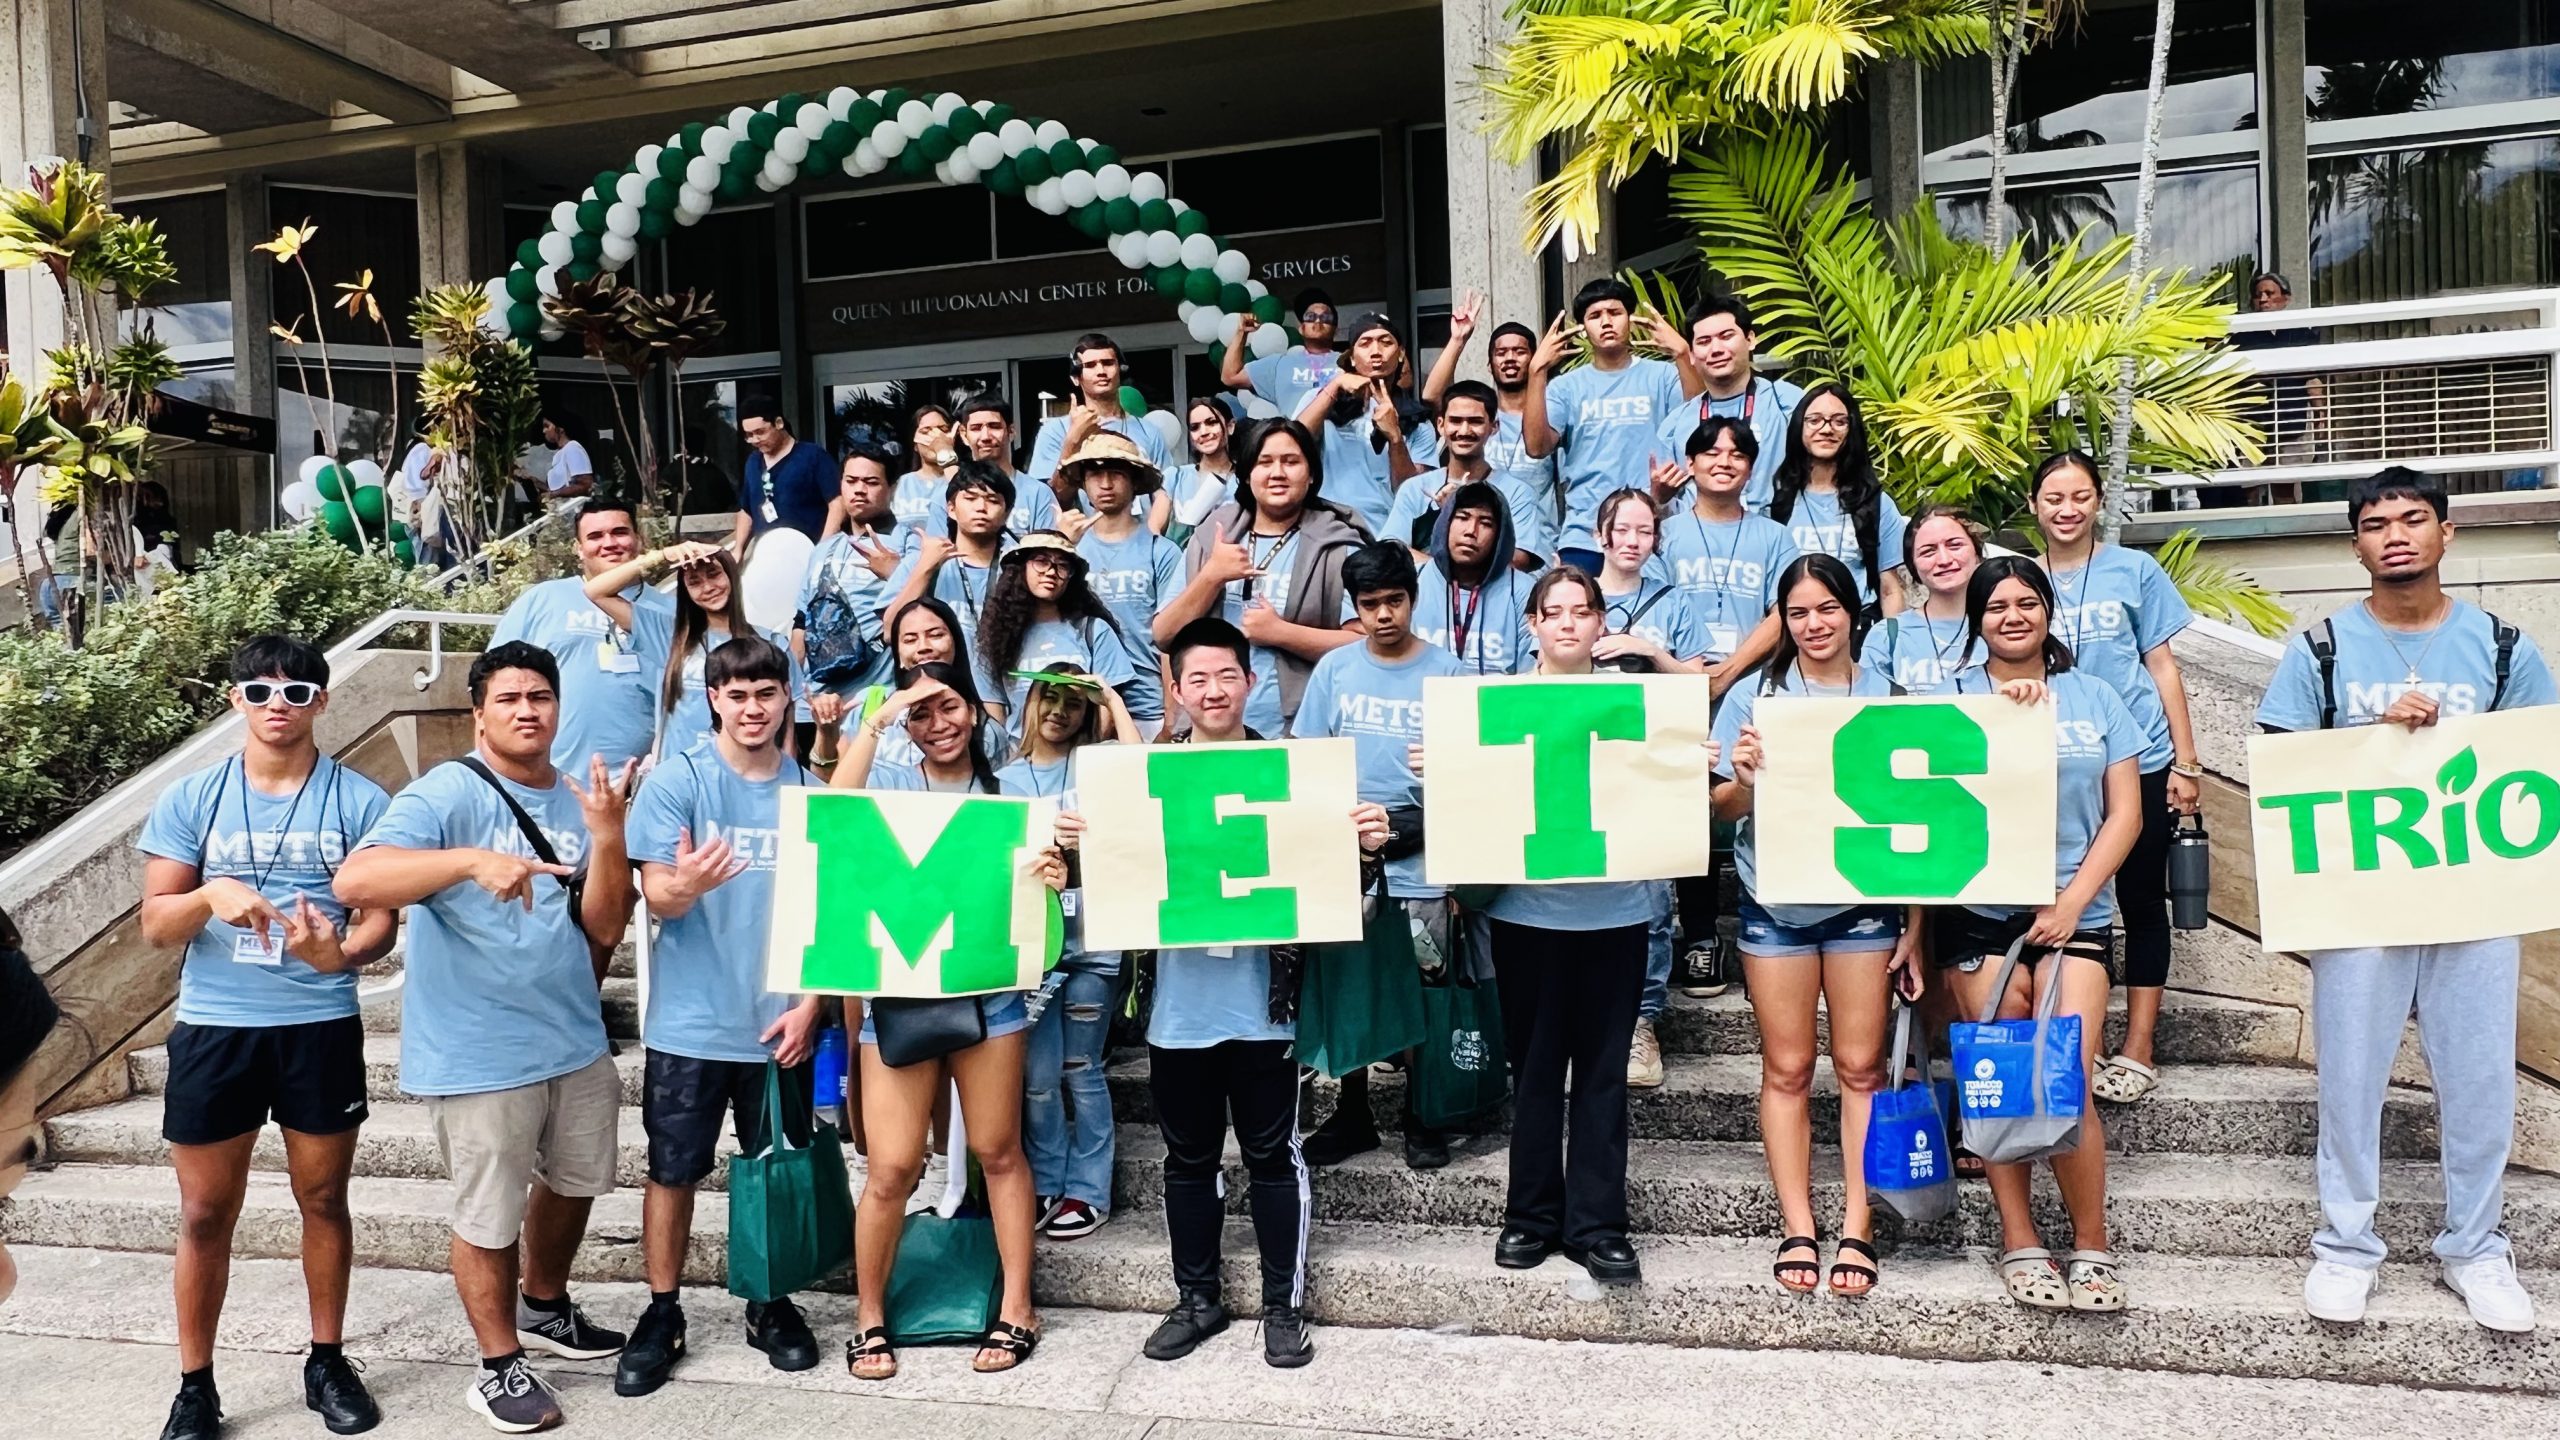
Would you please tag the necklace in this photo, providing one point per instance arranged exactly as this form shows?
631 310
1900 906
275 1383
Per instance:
2434 633
2069 594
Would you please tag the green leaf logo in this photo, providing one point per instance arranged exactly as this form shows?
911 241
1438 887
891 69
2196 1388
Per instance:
2458 773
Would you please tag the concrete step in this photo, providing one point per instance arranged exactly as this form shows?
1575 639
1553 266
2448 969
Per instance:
2226 1316
2194 1029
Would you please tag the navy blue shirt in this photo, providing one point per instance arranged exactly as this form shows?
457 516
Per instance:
800 485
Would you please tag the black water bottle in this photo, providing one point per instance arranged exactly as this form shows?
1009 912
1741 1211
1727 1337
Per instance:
2190 874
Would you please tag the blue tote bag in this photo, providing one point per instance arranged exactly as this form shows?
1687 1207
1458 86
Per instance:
1910 1169
2019 1082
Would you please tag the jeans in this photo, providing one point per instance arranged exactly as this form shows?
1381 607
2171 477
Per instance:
1066 1101
1657 955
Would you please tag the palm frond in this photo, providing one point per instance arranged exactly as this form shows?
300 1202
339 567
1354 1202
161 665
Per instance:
2213 588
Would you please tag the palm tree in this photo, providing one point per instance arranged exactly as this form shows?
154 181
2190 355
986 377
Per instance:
2146 192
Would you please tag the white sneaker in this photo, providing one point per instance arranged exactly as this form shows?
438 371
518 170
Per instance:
929 1187
2489 1287
2337 1291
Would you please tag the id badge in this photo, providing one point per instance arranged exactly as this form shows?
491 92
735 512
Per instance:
1220 952
771 515
1721 639
1067 902
250 948
612 659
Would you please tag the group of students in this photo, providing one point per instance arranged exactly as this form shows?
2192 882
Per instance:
631 745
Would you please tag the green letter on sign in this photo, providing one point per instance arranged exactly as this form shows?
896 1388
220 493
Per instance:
965 882
1959 829
1201 850
1559 722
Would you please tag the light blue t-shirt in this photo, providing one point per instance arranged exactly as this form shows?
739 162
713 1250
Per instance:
2457 665
837 559
496 996
1528 482
1819 524
281 846
960 585
1133 578
1922 654
1660 613
1286 379
1728 570
1740 705
1533 524
2092 730
1607 419
2112 612
1485 627
706 984
1093 646
1262 712
608 694
1034 508
917 502
1767 404
1049 448
1378 704
1056 780
1356 471
689 723
1204 998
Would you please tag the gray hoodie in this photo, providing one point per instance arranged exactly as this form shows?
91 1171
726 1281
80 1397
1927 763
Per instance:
1327 534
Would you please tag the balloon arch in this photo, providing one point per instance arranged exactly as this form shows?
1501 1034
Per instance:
959 142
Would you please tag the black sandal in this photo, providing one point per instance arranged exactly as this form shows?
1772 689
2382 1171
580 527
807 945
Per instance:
1840 1267
1016 1341
1811 1269
871 1344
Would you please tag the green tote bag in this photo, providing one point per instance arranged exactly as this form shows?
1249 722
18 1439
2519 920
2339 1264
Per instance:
1361 1001
790 1208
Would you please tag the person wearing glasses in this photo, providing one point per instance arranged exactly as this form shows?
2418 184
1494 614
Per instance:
1283 381
237 864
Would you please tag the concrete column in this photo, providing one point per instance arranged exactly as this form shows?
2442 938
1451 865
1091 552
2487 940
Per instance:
794 384
54 105
461 231
253 348
1488 199
2285 128
1893 109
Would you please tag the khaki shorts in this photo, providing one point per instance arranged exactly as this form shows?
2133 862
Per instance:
564 1132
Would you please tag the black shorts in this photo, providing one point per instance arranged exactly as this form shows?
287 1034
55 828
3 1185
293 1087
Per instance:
685 1100
225 1080
1963 940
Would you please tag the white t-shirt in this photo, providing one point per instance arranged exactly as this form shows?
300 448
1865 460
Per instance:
567 464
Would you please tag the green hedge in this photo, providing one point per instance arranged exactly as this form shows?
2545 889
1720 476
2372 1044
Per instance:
75 723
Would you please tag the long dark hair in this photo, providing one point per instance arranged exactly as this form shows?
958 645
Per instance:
1010 610
1827 572
693 626
1247 447
932 605
1977 596
1853 474
1226 418
981 769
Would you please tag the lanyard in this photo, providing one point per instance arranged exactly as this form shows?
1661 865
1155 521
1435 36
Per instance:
275 850
1458 628
1263 560
1719 585
1750 397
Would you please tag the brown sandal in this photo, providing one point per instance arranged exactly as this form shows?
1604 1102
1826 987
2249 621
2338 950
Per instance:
871 1345
1842 1265
1810 1270
1014 1342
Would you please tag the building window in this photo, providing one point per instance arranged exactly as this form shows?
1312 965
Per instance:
2401 224
356 232
2088 87
2377 57
728 255
196 308
1285 187
1427 175
2202 221
910 229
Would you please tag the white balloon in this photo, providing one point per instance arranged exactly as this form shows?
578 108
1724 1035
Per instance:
945 105
312 465
865 159
1199 251
812 120
1267 341
623 219
646 159
1146 185
547 280
691 218
1044 197
631 189
1014 135
888 138
840 101
790 145
1204 324
739 117
1228 325
694 201
618 249
555 247
1077 187
768 106
1163 248
914 118
942 172
780 170
564 216
1168 430
299 499
1256 289
1130 249
717 142
496 290
963 168
494 324
364 473
985 151
702 173
1232 267
766 182
551 330
1180 206
1048 133
586 195
1111 182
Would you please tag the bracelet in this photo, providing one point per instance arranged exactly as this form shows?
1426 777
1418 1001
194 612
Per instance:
879 725
2192 772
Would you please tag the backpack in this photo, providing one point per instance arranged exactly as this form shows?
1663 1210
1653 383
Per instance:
837 649
2323 640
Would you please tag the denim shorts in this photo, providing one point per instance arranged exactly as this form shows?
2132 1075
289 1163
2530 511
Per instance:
1858 929
1004 1011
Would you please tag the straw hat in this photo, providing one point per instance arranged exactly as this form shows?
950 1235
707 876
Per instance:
1048 541
1109 447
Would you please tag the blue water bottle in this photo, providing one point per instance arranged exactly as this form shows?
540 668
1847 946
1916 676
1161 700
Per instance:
829 1086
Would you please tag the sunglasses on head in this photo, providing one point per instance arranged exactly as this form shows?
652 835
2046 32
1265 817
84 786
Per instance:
296 693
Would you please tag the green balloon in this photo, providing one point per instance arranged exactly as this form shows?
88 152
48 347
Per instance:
1088 218
656 224
331 482
1004 179
820 159
523 319
691 135
965 122
399 531
369 508
585 245
788 106
1101 155
840 137
998 114
1190 223
913 161
1234 299
529 254
1168 280
1217 352
584 269
671 163
761 128
606 183
1267 309
1120 216
339 521
733 186
864 117
937 144
1155 215
661 196
1032 165
591 216
404 552
1132 402
1065 157
894 99
520 285
1200 287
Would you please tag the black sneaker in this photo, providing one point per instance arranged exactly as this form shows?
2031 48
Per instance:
515 1400
330 1386
195 1415
1702 971
656 1344
1338 1139
777 1329
564 1332
1191 1321
1285 1342
1424 1148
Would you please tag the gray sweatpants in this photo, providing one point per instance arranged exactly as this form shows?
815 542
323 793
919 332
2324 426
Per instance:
2465 996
